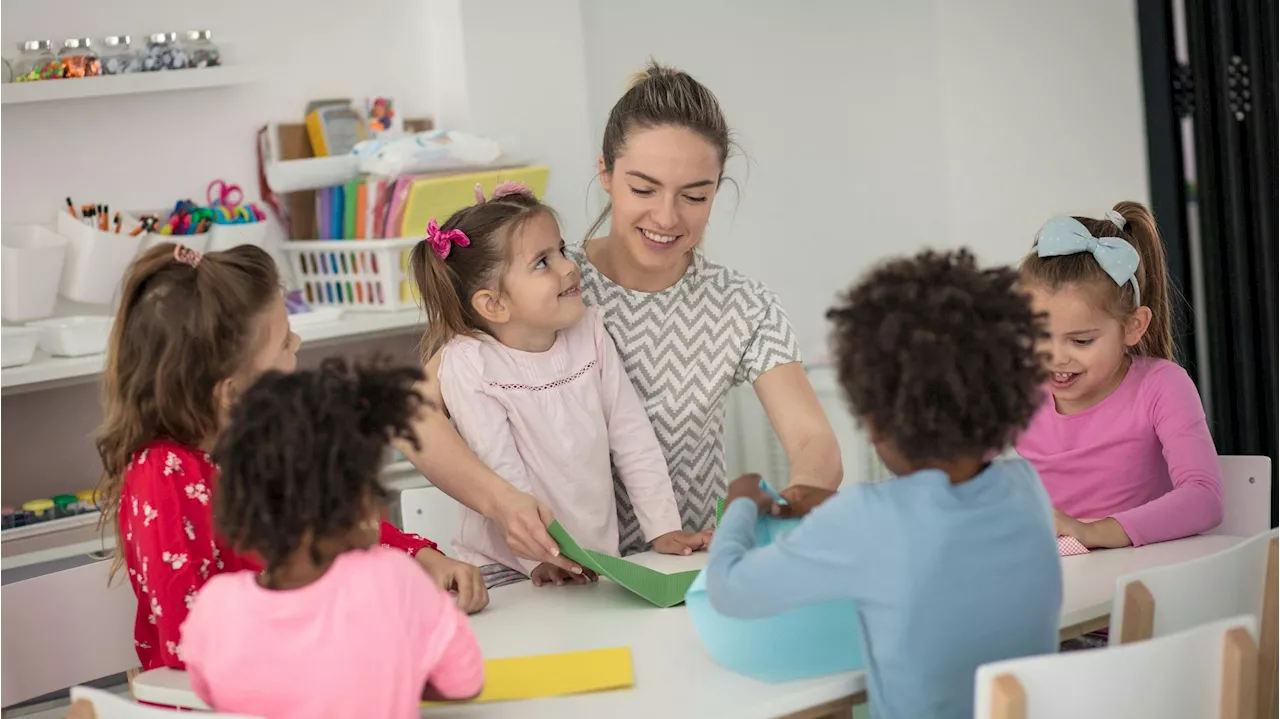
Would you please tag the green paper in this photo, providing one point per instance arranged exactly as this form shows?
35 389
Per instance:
663 590
719 509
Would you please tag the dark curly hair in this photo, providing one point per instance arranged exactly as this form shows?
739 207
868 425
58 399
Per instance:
939 356
300 457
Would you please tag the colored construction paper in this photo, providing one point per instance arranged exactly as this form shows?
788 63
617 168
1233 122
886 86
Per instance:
663 590
440 195
554 675
811 641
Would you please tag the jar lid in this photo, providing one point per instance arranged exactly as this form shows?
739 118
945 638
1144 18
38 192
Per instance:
38 505
36 45
64 500
72 43
161 38
88 495
114 40
85 42
199 35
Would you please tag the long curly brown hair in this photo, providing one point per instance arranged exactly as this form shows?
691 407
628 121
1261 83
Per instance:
179 331
939 356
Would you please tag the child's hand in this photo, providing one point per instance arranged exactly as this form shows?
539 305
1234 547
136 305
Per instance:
82 709
459 577
681 542
551 574
1104 533
801 499
748 486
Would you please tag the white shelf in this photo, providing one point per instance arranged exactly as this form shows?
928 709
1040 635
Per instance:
402 475
130 84
51 526
56 371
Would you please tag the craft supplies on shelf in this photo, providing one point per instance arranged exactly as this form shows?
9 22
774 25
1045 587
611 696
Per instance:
118 56
96 259
129 84
37 61
163 53
334 127
366 275
17 345
74 336
200 49
32 259
78 58
63 511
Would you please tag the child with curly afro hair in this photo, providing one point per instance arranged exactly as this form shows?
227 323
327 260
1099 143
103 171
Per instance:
953 563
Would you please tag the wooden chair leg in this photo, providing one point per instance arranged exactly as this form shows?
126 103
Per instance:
1268 703
1239 675
1008 699
1139 613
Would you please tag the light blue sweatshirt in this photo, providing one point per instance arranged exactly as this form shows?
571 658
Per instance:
945 577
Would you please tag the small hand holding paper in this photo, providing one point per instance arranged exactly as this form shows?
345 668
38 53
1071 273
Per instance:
683 543
546 573
748 486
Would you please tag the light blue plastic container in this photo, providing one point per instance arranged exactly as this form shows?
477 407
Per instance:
803 643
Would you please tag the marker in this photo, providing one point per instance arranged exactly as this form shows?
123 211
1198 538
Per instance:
117 221
72 209
773 493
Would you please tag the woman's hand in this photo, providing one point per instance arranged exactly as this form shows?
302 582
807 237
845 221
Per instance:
551 574
681 542
748 487
524 521
801 499
459 577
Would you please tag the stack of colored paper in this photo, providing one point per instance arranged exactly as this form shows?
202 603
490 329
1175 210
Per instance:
554 675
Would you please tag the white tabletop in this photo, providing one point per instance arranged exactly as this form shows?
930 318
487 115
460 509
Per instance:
673 674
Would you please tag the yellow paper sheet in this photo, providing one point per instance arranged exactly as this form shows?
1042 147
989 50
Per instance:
441 195
553 675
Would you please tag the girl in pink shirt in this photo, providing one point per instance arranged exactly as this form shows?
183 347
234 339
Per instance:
535 386
1121 440
334 625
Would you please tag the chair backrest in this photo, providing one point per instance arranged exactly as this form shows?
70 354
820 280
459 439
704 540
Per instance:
431 513
1246 496
65 628
1240 580
111 706
1205 672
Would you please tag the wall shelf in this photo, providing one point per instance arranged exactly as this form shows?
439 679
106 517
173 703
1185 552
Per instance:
134 83
45 371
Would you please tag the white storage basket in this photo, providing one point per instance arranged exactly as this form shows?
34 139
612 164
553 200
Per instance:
356 274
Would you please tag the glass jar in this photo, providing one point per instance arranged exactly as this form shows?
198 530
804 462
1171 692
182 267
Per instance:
79 59
201 52
36 62
118 57
163 53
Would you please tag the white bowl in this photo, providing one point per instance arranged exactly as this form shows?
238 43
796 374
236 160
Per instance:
74 336
17 345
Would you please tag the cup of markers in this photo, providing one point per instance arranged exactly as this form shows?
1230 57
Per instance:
187 223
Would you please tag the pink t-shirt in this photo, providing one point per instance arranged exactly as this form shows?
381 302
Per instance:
1142 456
552 424
361 641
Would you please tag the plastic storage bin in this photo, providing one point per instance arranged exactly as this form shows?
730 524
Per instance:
31 263
17 345
74 336
357 274
96 260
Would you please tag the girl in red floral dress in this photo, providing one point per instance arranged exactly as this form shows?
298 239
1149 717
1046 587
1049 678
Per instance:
191 333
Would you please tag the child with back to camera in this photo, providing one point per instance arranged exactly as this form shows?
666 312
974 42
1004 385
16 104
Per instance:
1121 441
954 563
535 386
334 625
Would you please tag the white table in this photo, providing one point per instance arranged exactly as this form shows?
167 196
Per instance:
674 677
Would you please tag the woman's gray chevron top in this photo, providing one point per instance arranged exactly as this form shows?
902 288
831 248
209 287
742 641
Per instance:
684 349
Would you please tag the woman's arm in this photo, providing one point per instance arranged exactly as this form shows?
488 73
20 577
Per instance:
802 426
446 459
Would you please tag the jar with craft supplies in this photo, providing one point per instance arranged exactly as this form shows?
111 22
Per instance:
87 500
8 518
65 505
38 510
163 53
37 61
78 58
118 56
200 49
8 70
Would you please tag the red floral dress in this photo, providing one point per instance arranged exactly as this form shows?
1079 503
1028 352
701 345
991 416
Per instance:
170 551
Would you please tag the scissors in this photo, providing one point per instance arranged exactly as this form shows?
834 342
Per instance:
220 192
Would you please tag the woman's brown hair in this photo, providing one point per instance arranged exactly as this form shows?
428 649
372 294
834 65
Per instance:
1082 270
661 96
182 327
447 285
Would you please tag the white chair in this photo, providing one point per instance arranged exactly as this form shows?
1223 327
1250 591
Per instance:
111 706
429 512
65 628
1246 496
1198 674
1240 580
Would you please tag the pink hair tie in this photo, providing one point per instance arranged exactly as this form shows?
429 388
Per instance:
443 242
512 188
187 256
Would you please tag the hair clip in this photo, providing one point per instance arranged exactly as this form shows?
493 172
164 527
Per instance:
479 194
1116 218
512 188
443 242
187 256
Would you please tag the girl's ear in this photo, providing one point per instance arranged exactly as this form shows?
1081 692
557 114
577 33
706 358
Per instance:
491 307
1135 326
606 178
224 396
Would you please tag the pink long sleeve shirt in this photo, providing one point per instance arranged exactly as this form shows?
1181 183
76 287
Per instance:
550 423
1142 456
